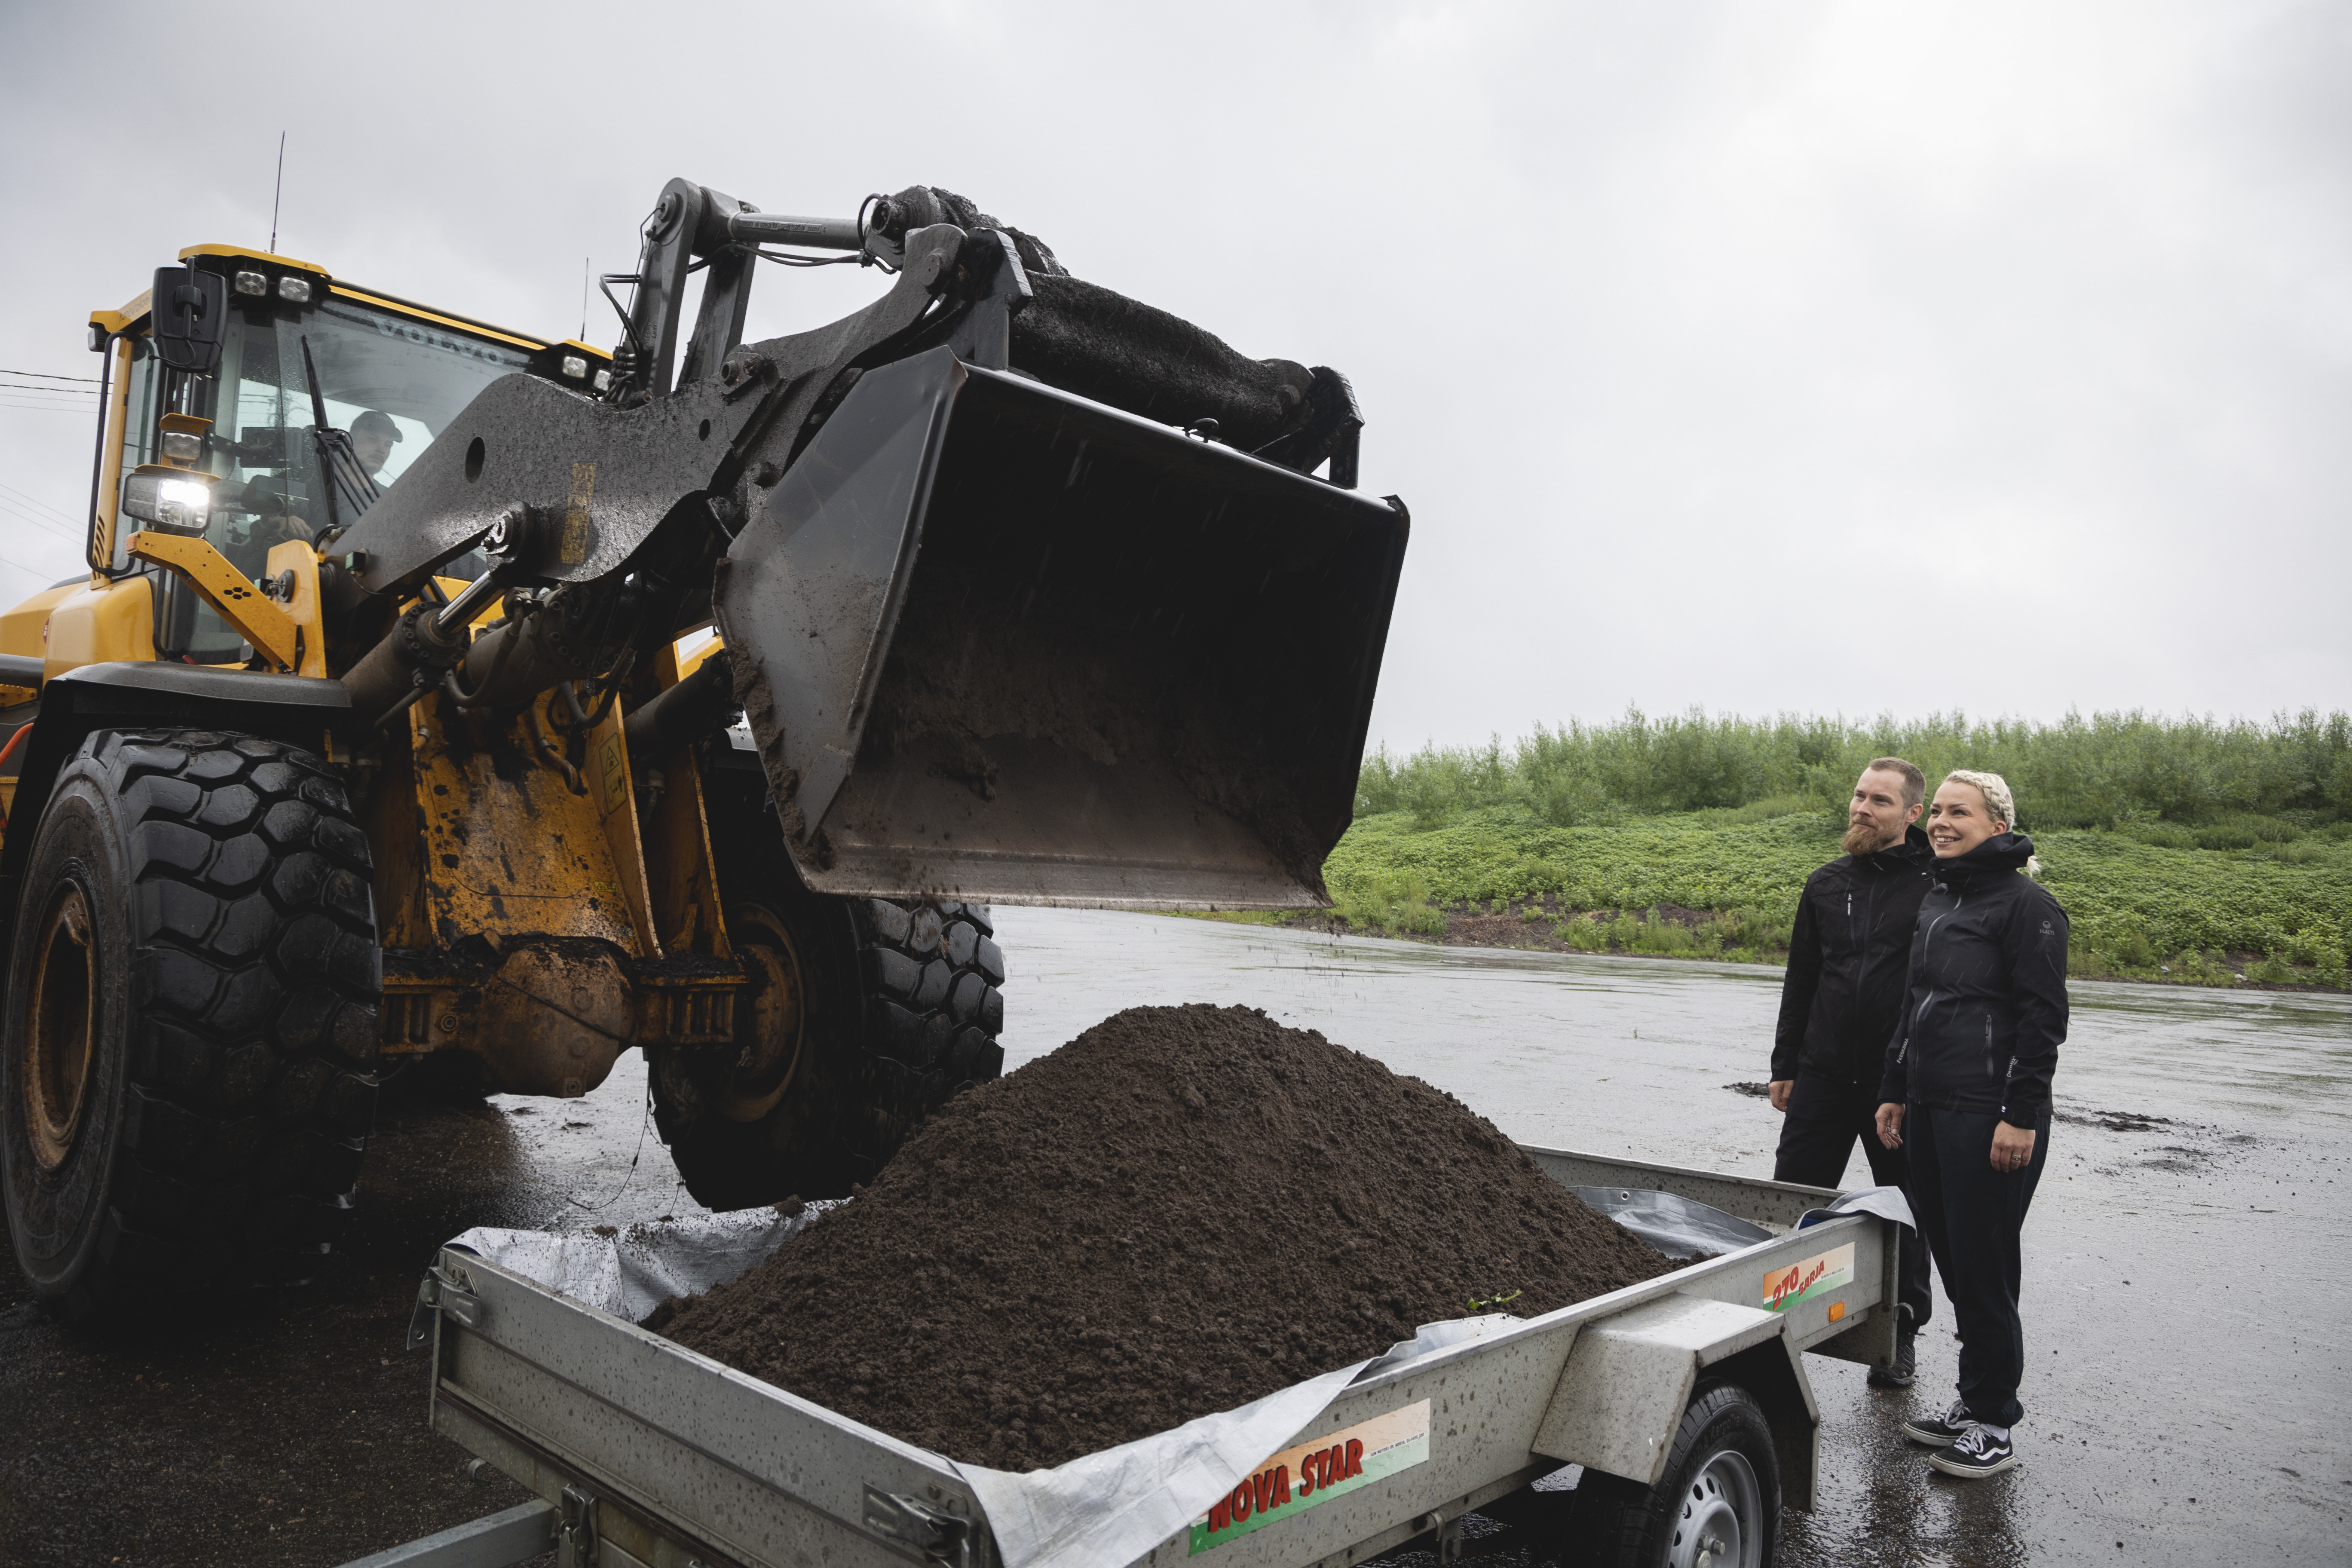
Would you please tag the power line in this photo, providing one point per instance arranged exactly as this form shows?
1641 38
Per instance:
63 530
37 501
46 575
70 533
52 391
69 527
50 408
45 376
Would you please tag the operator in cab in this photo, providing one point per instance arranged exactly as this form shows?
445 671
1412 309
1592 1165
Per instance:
279 517
374 436
1849 957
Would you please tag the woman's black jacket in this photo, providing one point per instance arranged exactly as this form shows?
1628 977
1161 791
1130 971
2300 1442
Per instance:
1985 1010
1846 962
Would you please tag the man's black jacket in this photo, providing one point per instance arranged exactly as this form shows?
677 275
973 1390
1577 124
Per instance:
1846 958
1986 1007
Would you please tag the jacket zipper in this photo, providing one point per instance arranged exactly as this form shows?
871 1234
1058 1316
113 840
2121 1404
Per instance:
1928 940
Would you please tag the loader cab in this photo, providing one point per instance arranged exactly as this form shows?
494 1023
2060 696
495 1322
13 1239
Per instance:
387 371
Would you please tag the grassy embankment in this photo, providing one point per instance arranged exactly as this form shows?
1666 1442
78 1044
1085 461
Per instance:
2182 850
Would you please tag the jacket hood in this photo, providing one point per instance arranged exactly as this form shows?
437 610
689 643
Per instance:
1911 849
2002 852
1915 849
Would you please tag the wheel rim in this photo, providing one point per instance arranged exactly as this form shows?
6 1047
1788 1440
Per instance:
1719 1521
771 1019
61 1017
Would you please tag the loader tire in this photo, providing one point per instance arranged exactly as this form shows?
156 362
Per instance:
190 1022
863 1016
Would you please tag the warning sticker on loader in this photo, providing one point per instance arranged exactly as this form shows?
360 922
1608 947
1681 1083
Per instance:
1297 1478
1816 1276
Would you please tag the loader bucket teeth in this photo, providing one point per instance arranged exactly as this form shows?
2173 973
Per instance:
1000 643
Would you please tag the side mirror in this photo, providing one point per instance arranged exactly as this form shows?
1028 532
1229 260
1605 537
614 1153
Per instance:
191 319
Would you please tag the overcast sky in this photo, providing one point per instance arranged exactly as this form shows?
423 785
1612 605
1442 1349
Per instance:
1834 358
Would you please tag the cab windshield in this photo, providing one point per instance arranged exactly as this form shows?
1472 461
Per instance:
390 383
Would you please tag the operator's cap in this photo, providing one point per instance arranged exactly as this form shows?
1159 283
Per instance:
376 422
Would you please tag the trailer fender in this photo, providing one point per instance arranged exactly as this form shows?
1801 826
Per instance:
132 693
1774 1371
1628 1380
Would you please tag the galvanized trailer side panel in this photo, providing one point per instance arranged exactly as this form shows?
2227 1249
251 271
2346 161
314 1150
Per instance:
1774 1204
694 1460
1489 1397
1863 1334
720 1459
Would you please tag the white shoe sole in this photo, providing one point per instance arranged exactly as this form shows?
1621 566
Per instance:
1929 1438
1969 1472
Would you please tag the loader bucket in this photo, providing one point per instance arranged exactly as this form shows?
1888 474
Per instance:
1000 643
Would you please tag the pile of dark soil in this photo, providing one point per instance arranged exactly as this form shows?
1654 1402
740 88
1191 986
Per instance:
1181 1210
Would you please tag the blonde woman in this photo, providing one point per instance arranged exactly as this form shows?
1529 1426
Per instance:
1967 1088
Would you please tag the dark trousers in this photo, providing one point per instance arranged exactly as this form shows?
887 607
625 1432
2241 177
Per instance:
1973 1215
1825 1116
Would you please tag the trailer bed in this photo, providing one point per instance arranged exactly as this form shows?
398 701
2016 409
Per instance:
648 1453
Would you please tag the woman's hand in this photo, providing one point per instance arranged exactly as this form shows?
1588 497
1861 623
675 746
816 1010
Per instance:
1890 1125
2013 1147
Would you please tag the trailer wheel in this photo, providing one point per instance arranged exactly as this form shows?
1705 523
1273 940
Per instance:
863 1016
190 1021
1716 1506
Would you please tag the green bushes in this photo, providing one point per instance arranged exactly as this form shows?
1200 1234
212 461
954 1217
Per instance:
2136 908
2112 770
1376 900
2170 842
1742 936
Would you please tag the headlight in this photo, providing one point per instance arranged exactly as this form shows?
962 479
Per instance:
574 366
294 290
252 283
171 502
180 446
604 382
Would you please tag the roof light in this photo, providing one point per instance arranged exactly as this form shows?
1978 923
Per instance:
294 290
251 283
181 447
575 366
604 382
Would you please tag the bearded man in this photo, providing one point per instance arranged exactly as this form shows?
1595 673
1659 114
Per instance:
1848 956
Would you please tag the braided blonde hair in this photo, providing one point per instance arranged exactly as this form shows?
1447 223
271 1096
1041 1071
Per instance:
2000 802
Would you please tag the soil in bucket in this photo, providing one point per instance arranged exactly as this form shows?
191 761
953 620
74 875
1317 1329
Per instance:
1180 1211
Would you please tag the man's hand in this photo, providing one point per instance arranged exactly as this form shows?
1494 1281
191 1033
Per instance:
2013 1147
1890 1125
1779 1088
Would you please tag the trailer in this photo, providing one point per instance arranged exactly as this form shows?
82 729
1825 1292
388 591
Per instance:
1683 1399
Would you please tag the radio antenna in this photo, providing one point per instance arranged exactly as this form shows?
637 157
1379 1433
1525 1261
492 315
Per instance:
584 299
279 190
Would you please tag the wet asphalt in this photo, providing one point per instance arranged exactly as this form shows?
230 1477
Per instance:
2187 1264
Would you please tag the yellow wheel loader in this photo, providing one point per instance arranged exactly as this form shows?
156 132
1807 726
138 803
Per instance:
444 699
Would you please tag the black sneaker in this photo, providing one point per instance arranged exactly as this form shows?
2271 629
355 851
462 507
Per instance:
1977 1453
1941 1434
1907 1359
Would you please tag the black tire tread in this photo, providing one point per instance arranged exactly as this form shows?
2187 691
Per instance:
906 1006
940 1017
254 981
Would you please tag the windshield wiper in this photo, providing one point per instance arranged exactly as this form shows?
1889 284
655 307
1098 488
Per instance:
347 482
